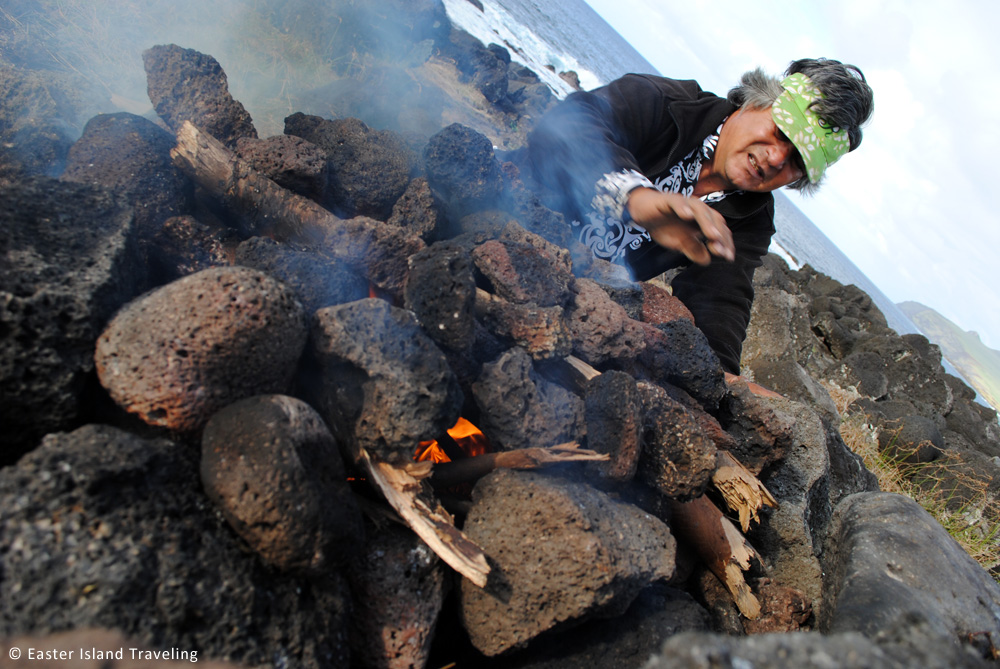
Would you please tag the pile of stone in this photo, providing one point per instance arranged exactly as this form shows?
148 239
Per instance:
195 370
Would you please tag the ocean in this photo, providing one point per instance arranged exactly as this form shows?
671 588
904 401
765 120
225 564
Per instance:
552 37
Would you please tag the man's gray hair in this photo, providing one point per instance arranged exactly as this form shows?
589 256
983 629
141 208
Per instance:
848 100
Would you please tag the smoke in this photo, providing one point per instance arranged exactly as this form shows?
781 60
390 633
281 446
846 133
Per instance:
280 56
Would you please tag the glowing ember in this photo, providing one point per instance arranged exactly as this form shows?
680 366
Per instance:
467 436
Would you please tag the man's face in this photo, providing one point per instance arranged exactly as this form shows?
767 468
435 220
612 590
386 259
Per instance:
754 155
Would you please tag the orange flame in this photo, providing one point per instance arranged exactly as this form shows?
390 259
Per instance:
468 437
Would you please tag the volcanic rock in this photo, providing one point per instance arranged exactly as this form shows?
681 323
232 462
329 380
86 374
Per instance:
185 85
180 353
131 155
368 170
463 169
521 409
398 588
70 259
880 553
678 353
613 410
418 211
600 328
441 291
103 529
318 281
184 245
271 465
522 273
291 162
384 385
564 552
678 457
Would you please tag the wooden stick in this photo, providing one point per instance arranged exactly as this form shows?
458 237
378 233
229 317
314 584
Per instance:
720 545
447 474
428 519
377 250
743 492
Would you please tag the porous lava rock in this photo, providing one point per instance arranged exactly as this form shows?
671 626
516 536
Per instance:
564 552
678 353
521 409
131 155
318 281
398 586
463 169
441 291
613 410
419 211
600 328
522 273
272 466
101 528
184 245
384 385
367 169
70 258
678 457
291 162
180 353
186 85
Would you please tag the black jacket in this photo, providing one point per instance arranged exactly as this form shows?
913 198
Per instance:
648 123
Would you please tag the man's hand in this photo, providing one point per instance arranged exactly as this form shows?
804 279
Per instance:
683 224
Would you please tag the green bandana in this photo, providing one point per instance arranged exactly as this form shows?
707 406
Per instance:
819 144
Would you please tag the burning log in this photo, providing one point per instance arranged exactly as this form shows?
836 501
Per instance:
378 251
720 545
427 518
446 474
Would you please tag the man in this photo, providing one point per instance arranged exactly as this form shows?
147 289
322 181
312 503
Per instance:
657 174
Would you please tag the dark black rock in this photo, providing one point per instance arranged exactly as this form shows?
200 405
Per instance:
441 291
185 85
71 259
368 170
463 169
130 155
103 529
273 468
318 281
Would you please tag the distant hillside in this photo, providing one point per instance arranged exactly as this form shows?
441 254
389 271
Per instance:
978 363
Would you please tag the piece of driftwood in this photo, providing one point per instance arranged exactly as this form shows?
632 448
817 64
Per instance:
377 250
426 517
720 546
467 470
743 492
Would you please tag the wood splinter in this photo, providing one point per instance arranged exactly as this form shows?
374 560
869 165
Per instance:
743 492
720 546
427 518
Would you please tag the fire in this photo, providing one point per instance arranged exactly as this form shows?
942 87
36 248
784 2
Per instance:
469 439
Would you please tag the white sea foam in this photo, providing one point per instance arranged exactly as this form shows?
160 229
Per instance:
495 25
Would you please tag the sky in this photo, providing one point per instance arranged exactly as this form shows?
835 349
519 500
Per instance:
910 206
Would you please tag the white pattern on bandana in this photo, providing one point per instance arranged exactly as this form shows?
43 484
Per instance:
605 229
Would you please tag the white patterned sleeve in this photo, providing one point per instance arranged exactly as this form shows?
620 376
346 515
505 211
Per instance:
612 192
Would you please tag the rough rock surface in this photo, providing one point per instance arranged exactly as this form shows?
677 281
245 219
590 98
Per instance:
600 328
441 291
180 353
418 211
100 528
318 281
398 588
291 162
271 465
185 85
367 169
521 409
184 245
583 555
889 562
613 411
461 167
70 258
386 386
131 155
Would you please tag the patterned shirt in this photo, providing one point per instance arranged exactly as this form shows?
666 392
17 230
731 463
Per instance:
608 229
